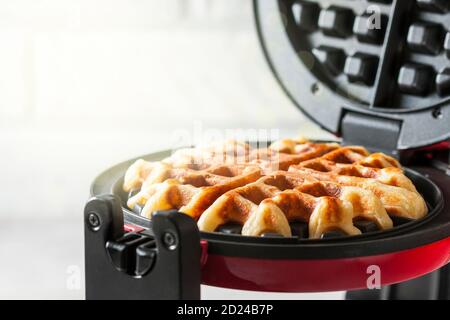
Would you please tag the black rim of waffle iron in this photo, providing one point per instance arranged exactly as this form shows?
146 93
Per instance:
330 63
111 181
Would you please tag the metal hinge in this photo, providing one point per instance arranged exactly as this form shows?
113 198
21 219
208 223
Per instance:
375 133
165 265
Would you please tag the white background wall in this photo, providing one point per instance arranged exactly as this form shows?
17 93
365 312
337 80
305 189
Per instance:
87 83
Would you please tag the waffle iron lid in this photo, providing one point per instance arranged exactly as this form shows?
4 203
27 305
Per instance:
375 72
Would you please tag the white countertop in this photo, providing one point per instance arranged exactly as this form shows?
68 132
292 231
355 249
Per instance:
41 259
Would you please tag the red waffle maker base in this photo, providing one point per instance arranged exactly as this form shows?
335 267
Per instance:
298 265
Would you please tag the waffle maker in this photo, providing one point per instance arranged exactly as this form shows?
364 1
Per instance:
386 88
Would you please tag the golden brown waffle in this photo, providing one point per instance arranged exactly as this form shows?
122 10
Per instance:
188 190
391 175
278 156
378 173
196 159
359 155
269 204
227 153
325 185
